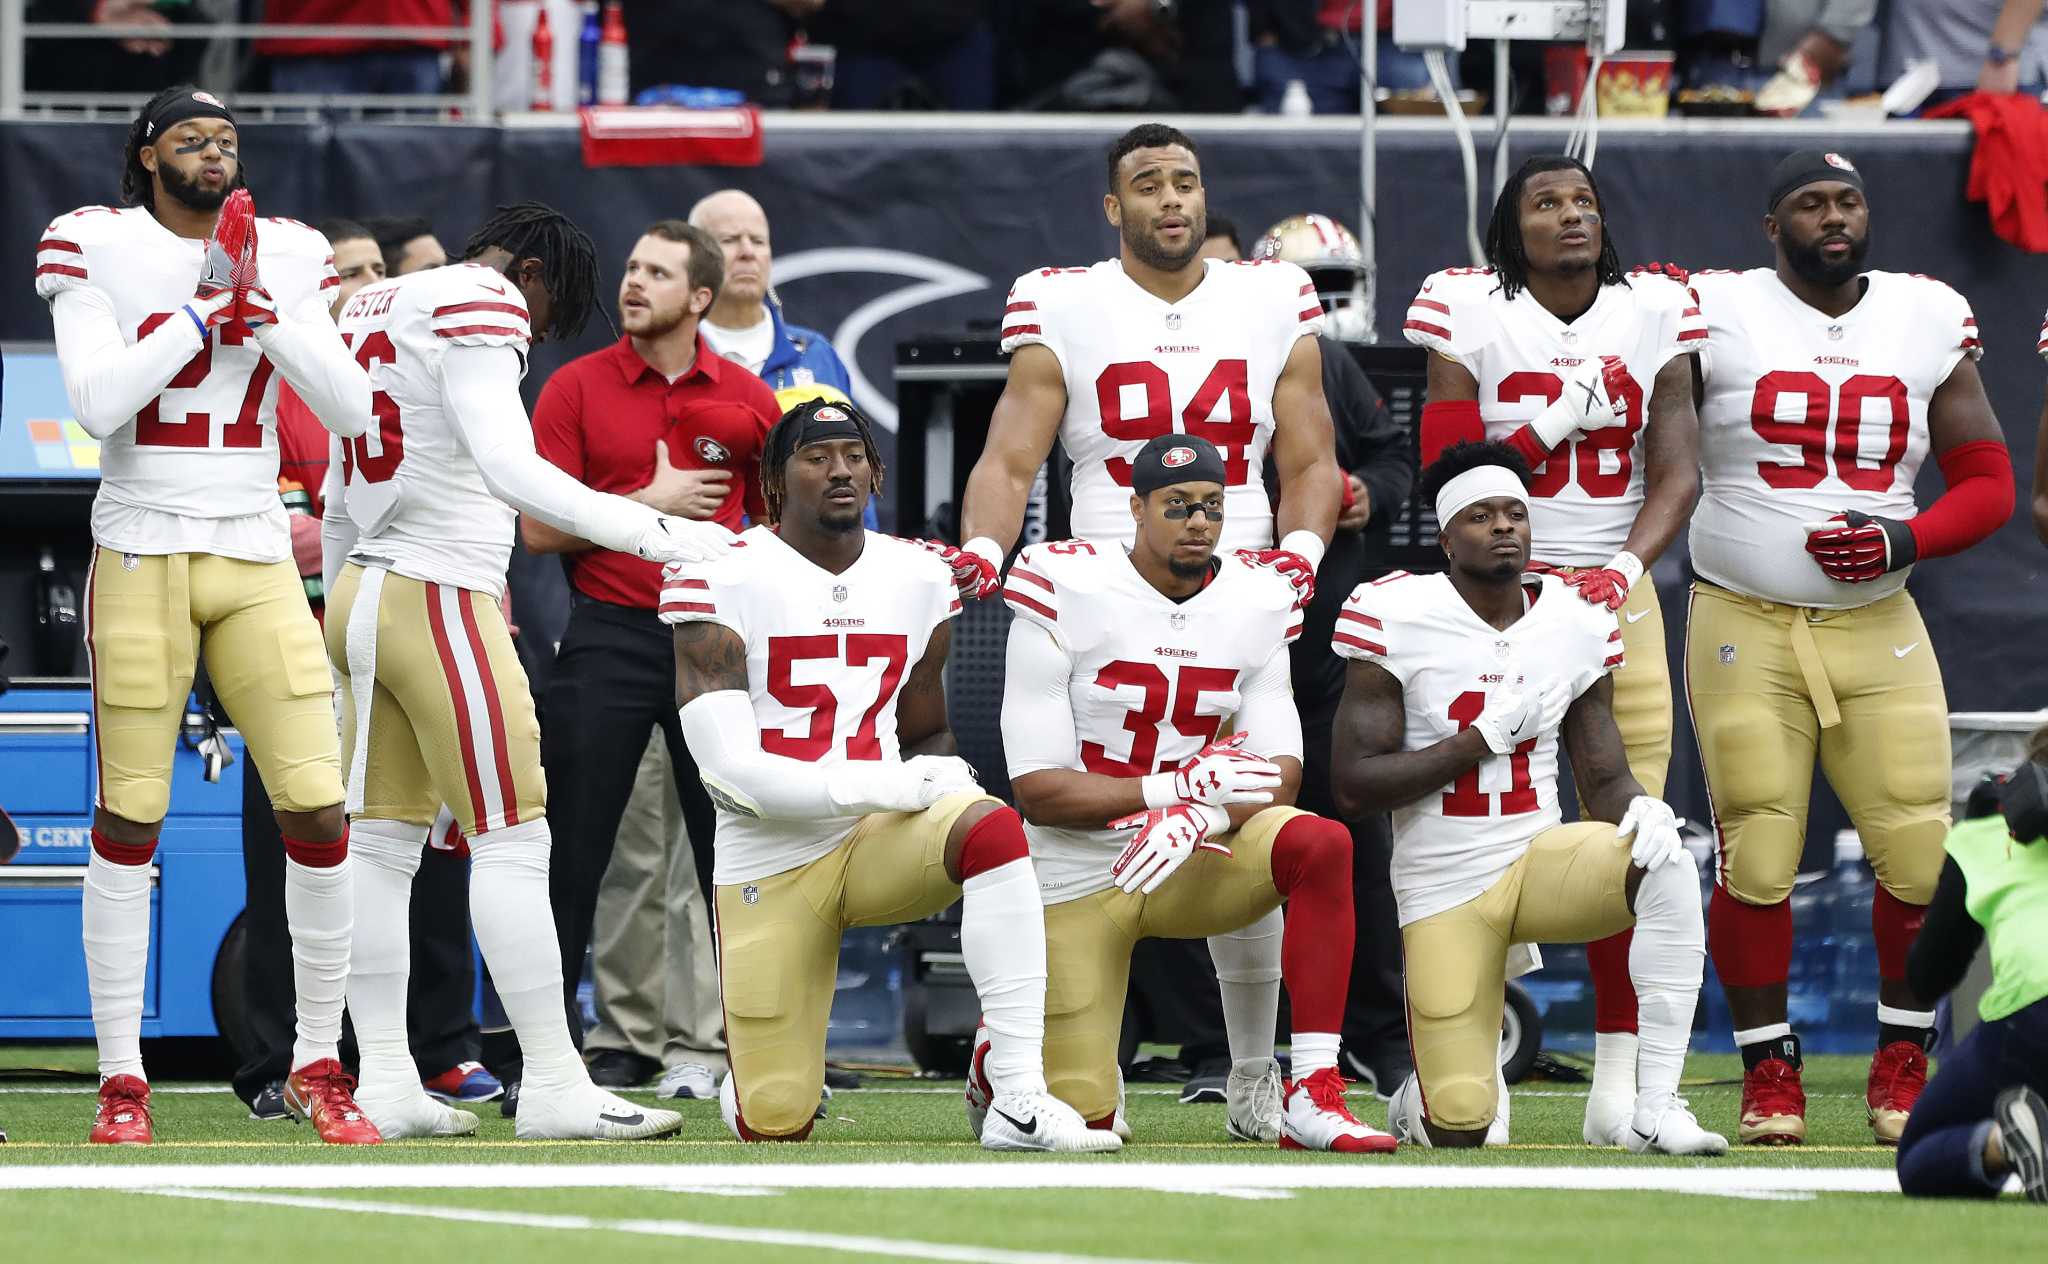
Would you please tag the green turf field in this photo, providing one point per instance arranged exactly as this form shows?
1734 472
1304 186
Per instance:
891 1175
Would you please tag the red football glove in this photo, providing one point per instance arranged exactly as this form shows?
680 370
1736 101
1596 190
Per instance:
1299 570
974 575
234 240
1855 548
1602 587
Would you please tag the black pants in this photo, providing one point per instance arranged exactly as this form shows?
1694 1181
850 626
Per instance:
1938 1155
439 1020
613 685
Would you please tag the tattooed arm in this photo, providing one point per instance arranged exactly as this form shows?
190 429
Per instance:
1369 772
709 657
921 727
1599 760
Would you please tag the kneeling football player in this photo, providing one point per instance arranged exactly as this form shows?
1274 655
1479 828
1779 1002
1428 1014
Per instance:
823 741
1124 666
1459 688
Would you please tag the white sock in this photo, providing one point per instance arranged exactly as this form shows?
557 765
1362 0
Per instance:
1890 1017
1248 975
319 907
116 923
1312 1051
1614 1065
386 855
1497 1131
1002 938
1758 1035
515 927
1665 960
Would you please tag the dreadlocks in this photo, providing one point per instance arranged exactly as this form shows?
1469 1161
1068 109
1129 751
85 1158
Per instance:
568 258
1504 232
781 445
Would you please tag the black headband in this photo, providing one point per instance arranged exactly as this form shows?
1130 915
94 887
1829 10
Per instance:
2024 801
186 105
1175 458
824 423
1810 166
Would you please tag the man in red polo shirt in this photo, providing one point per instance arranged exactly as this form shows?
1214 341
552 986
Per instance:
660 418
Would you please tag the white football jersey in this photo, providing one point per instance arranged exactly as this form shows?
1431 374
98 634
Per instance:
1451 845
2041 347
1149 682
1807 415
826 657
419 502
205 450
1587 495
1137 367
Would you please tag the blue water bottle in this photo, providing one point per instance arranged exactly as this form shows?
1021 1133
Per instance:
1854 996
1807 991
586 55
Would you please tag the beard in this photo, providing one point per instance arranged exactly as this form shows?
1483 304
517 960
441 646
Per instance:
1189 570
659 322
1807 261
190 193
1153 254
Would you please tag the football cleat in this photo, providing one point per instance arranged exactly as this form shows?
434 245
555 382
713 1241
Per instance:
2023 1132
1404 1112
687 1081
269 1103
323 1094
979 1091
465 1082
1254 1094
123 1117
1040 1121
1671 1129
1773 1105
414 1114
1314 1117
1606 1119
585 1112
1897 1074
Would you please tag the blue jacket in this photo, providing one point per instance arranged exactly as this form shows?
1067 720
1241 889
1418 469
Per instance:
799 356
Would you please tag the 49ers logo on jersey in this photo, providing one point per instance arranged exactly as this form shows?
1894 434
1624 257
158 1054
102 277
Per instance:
712 450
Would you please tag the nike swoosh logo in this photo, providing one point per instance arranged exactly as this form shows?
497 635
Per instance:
1026 1128
1633 615
630 1118
495 289
1901 653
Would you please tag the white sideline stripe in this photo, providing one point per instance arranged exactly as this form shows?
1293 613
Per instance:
1087 1174
888 1248
92 1090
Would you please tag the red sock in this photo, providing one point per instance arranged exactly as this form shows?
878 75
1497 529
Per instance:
1895 924
319 855
1614 995
122 853
994 841
1751 943
1312 869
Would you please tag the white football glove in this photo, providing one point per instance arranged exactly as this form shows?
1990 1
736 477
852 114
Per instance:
1165 838
1513 716
1592 400
912 785
671 540
1655 828
1220 773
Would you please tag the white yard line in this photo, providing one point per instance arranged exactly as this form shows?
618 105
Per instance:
1037 1175
89 1089
887 1248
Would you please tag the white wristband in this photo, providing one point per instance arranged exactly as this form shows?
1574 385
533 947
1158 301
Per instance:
985 549
1555 424
1628 566
1158 788
1307 543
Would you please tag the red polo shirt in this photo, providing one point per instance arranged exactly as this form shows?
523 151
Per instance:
599 418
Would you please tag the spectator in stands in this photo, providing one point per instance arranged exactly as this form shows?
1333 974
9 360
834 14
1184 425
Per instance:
660 417
920 54
104 65
439 1020
407 242
1981 45
1117 55
403 66
738 44
1316 42
1805 44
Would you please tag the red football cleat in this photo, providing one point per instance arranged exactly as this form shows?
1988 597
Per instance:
1314 1117
123 1117
1897 1074
1773 1105
324 1095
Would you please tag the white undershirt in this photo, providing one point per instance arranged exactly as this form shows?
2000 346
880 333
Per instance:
749 346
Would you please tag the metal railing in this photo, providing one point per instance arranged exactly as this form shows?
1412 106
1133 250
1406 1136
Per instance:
16 35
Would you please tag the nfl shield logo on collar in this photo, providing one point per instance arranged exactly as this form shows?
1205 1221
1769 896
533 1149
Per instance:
750 894
839 592
1727 656
1173 320
1177 620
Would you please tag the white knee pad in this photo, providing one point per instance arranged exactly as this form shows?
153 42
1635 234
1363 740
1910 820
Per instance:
523 846
393 846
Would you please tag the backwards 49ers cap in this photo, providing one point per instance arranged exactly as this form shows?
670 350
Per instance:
1175 458
1802 167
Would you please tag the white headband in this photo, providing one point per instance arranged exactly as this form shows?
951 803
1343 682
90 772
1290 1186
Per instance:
1482 482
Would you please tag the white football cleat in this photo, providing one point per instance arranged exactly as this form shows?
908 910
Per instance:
1671 1129
414 1114
1404 1113
979 1091
585 1112
1254 1094
1607 1119
1040 1121
1611 1104
1314 1117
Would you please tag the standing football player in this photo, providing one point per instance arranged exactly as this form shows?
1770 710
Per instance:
1459 689
173 322
1587 375
810 674
1123 666
1160 340
436 707
1826 388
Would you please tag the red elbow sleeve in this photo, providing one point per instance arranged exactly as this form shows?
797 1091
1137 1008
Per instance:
1978 501
1448 422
